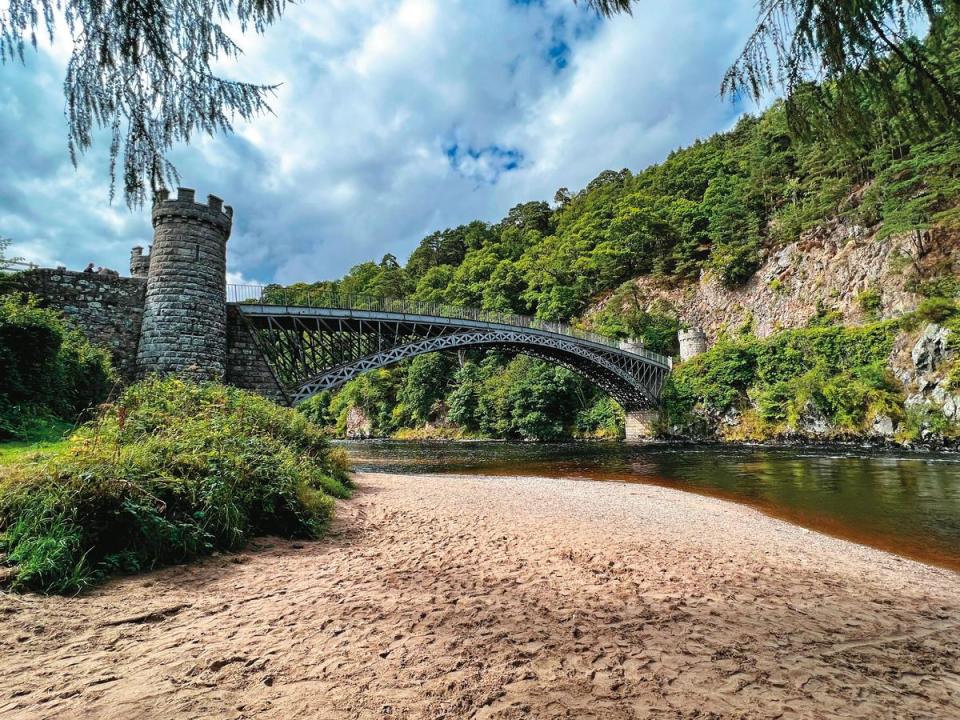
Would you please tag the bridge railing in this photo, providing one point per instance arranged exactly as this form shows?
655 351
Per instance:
276 295
12 266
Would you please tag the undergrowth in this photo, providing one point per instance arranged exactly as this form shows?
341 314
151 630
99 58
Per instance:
835 372
171 471
825 372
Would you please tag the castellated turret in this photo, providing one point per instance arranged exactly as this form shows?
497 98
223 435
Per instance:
139 263
185 311
692 342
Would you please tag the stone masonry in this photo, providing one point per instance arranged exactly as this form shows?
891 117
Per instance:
692 342
640 425
107 309
171 315
184 326
246 367
139 263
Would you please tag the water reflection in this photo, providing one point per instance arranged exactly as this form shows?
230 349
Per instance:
908 504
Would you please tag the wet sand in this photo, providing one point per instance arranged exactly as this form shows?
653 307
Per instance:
451 597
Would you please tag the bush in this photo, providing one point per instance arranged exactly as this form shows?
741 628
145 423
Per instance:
717 378
937 309
840 371
602 419
172 471
870 302
48 370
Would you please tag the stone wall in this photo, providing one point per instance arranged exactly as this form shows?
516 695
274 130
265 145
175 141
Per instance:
246 367
641 425
106 309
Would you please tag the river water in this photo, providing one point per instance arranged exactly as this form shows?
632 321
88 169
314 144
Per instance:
908 504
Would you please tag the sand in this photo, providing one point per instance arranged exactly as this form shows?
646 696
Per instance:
477 597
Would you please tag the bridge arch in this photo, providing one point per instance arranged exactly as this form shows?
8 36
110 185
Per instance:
314 347
616 381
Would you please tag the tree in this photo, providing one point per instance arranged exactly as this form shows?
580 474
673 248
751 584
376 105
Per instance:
6 262
143 70
464 401
733 230
529 216
423 389
440 248
390 280
806 47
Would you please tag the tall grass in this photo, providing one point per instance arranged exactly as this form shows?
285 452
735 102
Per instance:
173 470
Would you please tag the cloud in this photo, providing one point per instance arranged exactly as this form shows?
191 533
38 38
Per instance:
394 118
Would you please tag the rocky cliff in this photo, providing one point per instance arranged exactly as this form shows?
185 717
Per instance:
848 276
838 267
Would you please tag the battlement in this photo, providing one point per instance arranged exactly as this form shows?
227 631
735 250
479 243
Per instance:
139 263
185 207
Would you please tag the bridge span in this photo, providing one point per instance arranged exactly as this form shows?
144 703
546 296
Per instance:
319 341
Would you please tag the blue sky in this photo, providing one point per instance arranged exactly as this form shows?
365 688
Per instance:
394 118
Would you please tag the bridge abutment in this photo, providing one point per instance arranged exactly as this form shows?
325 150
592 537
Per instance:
640 424
184 327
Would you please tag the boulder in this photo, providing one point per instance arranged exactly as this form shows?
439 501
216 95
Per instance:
883 426
813 422
359 425
931 348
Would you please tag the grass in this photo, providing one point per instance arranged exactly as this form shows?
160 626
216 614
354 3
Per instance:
43 438
170 472
22 451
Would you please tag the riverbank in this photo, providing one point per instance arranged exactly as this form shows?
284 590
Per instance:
441 596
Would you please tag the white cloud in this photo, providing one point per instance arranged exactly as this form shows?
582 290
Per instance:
394 118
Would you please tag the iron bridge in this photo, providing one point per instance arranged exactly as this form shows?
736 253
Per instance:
319 341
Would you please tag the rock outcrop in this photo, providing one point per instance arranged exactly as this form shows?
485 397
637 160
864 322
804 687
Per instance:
927 382
830 268
359 426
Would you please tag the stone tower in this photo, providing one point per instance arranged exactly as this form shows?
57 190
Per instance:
139 263
692 342
184 326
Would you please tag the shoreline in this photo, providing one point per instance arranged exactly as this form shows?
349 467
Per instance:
450 596
866 445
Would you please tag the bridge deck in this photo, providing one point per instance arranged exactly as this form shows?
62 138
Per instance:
318 341
279 312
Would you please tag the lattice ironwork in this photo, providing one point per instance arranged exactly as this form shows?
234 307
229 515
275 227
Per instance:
311 349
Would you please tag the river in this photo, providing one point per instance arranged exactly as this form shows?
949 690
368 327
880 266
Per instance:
908 504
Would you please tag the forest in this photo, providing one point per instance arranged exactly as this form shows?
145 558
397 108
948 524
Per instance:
718 206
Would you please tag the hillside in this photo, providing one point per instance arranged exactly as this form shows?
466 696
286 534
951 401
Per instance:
767 227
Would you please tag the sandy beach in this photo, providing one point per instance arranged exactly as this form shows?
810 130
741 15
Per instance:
476 597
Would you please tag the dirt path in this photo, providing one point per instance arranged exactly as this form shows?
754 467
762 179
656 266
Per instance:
504 597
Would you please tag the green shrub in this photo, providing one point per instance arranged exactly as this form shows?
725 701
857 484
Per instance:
953 376
717 379
317 409
937 309
603 418
840 371
773 403
947 286
929 418
172 471
870 302
48 370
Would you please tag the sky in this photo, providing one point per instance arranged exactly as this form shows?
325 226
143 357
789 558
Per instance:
393 119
